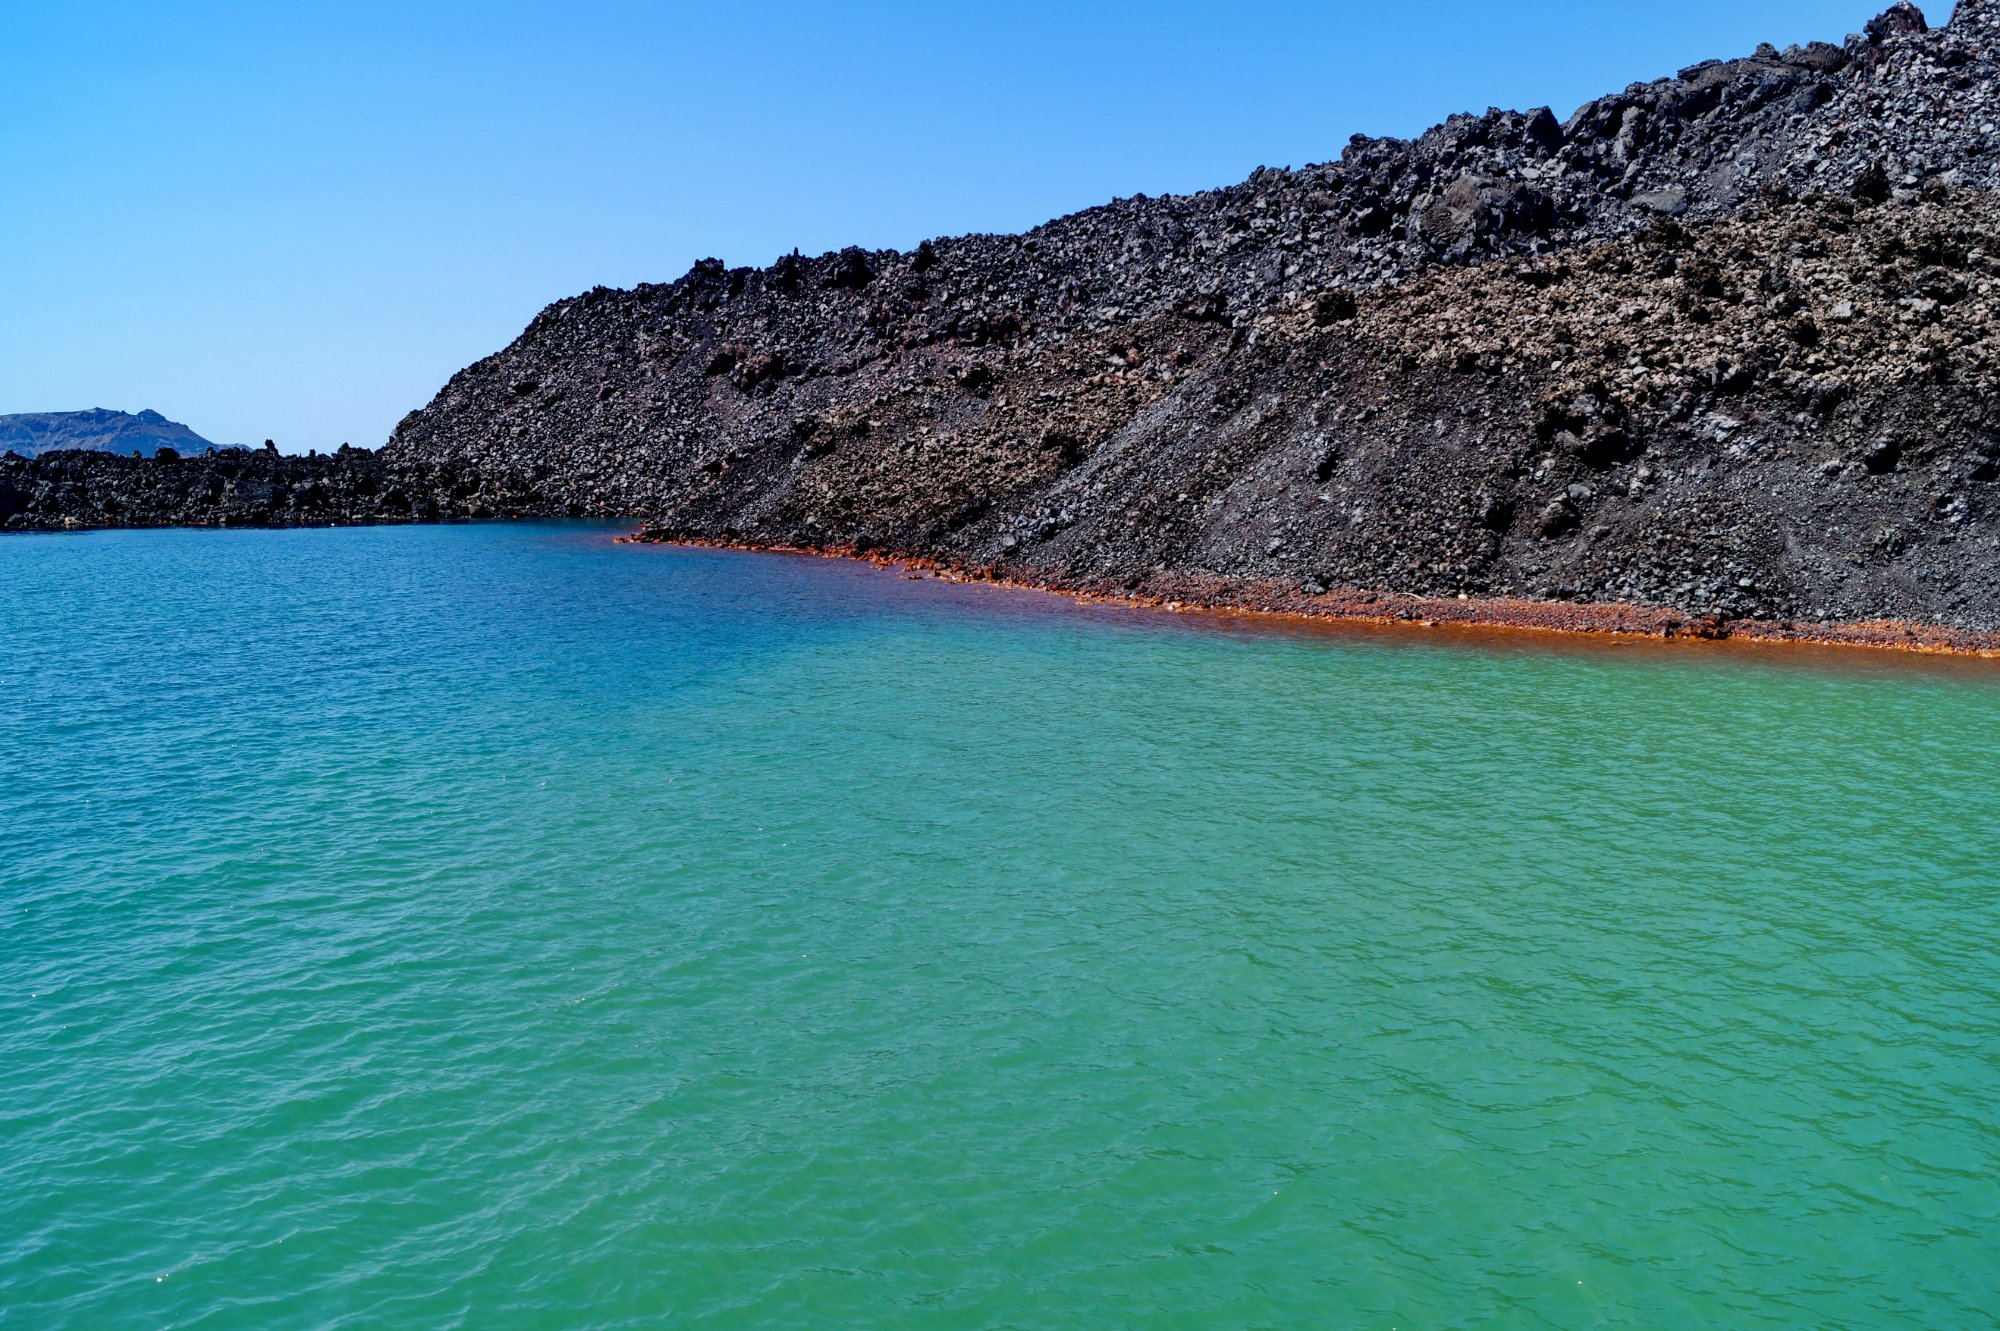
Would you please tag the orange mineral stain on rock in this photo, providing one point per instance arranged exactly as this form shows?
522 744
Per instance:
1252 601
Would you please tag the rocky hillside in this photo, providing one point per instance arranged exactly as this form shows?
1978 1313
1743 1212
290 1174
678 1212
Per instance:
98 431
1721 344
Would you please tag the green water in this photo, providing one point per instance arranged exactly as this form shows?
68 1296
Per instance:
494 926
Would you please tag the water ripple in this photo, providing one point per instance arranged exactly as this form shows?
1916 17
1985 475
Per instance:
492 925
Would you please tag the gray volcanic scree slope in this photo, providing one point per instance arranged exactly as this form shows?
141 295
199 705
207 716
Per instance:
1723 343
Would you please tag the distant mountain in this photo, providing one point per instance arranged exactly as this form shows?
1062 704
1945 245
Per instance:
98 431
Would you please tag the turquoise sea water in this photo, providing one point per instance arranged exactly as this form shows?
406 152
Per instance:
494 926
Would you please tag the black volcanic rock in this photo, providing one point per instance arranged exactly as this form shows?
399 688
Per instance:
1646 354
237 487
98 431
1723 342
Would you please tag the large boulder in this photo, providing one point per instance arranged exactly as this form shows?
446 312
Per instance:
1902 19
1473 211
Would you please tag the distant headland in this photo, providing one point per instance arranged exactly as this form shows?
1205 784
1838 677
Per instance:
100 430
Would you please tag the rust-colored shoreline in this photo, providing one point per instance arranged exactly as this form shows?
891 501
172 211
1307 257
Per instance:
1282 605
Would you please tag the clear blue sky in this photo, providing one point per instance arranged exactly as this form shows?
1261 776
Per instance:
296 220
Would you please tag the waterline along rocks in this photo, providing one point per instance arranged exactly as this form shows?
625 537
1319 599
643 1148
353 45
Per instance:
1722 343
231 487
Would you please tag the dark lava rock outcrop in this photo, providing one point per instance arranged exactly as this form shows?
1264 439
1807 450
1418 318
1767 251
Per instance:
234 487
1723 343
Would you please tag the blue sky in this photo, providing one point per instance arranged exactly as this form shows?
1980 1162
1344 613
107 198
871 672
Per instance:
295 221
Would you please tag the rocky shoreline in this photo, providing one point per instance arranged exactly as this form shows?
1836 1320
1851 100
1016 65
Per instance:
1717 353
233 488
1278 602
74 489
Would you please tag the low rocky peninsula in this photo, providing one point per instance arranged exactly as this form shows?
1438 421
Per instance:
238 487
1714 354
